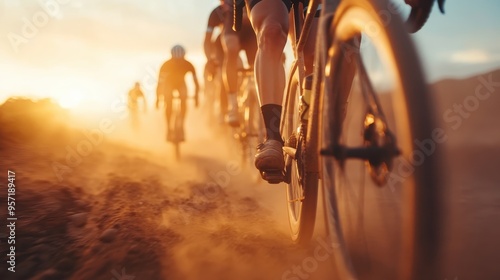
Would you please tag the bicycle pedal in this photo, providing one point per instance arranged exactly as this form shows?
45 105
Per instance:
273 176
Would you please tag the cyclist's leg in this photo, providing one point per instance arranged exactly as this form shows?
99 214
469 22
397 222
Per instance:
220 89
183 97
168 96
183 110
270 21
231 45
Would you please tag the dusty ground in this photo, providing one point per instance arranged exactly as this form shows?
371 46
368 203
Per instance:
117 212
92 207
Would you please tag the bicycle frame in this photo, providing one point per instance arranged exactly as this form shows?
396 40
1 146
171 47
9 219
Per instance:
299 33
332 85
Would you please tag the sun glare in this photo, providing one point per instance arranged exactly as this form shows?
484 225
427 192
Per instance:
70 100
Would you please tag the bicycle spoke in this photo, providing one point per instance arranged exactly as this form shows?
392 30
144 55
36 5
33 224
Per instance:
368 90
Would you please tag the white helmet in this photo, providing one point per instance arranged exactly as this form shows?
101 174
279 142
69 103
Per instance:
178 51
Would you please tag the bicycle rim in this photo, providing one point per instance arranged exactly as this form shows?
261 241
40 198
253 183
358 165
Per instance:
302 188
384 220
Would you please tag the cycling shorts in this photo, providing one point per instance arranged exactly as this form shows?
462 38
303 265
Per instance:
288 4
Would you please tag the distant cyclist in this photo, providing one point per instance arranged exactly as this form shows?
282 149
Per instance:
232 43
133 103
171 79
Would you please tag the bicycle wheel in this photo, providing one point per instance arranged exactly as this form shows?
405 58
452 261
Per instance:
381 192
302 187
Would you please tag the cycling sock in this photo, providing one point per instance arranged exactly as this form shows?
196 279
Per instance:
272 116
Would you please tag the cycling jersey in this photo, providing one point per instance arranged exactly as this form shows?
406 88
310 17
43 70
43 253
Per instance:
172 72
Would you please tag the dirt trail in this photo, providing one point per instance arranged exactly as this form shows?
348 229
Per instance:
115 205
122 212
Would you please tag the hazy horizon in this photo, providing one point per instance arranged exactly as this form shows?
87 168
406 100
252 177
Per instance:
87 49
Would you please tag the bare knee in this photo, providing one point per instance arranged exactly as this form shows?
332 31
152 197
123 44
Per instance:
272 37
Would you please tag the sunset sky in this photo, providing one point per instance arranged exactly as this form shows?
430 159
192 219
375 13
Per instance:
95 49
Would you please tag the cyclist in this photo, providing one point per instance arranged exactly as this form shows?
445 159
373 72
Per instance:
132 101
269 19
133 98
232 43
171 78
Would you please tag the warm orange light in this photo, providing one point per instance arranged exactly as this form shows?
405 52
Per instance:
71 99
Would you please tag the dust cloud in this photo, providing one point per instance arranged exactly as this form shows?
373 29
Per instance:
100 200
